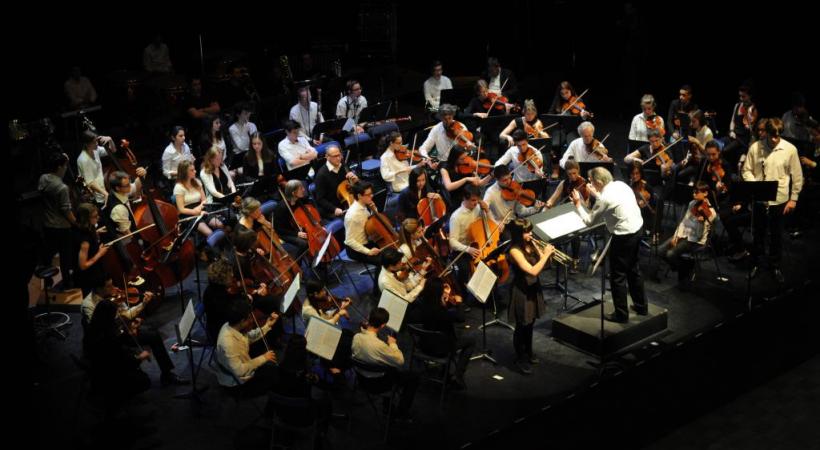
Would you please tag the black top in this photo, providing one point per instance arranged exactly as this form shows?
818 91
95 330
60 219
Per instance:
250 167
326 183
675 107
217 300
94 276
283 222
408 202
477 105
510 88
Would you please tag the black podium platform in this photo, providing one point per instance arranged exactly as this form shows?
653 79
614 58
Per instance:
581 328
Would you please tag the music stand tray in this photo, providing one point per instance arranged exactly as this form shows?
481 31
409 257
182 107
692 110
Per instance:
372 113
454 96
565 121
753 191
332 128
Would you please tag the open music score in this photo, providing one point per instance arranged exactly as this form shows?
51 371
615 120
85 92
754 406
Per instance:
396 305
322 337
482 282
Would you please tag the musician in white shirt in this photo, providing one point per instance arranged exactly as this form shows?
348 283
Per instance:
306 113
356 239
392 265
352 104
434 85
638 129
586 148
438 134
242 129
296 151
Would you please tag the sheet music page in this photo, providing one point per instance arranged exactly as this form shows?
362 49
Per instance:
322 337
482 282
186 322
322 251
562 225
291 292
396 306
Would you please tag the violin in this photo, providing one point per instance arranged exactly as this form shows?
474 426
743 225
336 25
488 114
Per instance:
450 297
642 194
414 265
460 134
717 171
575 106
580 185
405 154
529 157
499 103
515 192
655 122
469 166
702 209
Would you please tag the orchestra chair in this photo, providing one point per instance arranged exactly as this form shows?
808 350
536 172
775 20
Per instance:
425 343
50 321
375 382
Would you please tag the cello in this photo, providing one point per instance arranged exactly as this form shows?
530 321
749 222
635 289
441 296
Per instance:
277 268
484 235
379 229
123 161
307 219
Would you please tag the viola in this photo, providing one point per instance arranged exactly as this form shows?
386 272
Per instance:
642 194
460 134
702 209
405 154
574 106
515 192
580 185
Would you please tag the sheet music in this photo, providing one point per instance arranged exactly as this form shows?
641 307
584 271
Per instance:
482 282
293 289
322 337
349 125
396 306
322 251
186 322
562 225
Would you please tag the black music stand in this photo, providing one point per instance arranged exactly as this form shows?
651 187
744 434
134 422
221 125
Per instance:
566 122
753 192
454 97
332 128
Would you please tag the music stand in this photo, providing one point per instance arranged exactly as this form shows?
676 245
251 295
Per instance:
454 97
289 298
481 285
566 122
372 113
753 192
183 331
500 250
332 128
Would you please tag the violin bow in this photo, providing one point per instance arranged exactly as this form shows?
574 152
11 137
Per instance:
665 148
495 100
577 99
245 287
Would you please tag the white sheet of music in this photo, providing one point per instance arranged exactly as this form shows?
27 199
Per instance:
562 225
322 337
293 289
396 306
322 251
482 282
186 322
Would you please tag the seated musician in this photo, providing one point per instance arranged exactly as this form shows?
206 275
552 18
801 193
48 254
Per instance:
87 239
663 190
646 120
434 85
260 162
500 81
438 312
190 198
394 171
306 113
212 137
249 376
246 250
646 200
564 96
297 152
499 207
216 179
412 240
742 126
529 172
680 107
352 104
529 119
691 233
89 165
327 181
460 222
242 130
417 188
438 134
320 304
586 148
397 277
368 348
218 296
453 180
176 152
690 169
573 180
285 224
732 214
476 106
130 316
356 239
526 298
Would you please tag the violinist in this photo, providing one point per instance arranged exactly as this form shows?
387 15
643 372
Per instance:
499 206
216 179
500 81
135 330
719 175
483 104
529 122
773 158
356 239
691 233
665 164
438 312
328 179
680 107
412 241
89 274
690 168
586 148
526 162
176 152
573 181
260 162
285 224
398 277
741 125
396 171
417 188
454 178
562 103
245 250
89 165
439 137
321 303
646 200
646 120
526 297
218 296
297 152
190 198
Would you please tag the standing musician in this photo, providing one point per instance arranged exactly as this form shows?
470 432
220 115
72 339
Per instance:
190 198
216 178
434 85
356 239
118 215
259 162
615 204
297 152
456 174
89 165
646 120
500 81
438 136
398 277
691 233
327 181
585 148
680 107
176 152
417 189
772 158
499 206
58 215
306 113
526 161
741 125
284 222
526 298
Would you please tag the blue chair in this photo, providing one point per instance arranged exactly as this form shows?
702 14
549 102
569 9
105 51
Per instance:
321 149
268 207
215 238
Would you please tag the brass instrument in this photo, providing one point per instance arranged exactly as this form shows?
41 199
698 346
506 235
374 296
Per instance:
287 74
557 255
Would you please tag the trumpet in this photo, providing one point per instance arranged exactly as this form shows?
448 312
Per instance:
557 255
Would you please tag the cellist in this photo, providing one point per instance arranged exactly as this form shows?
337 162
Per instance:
327 180
89 165
417 189
356 239
466 214
295 237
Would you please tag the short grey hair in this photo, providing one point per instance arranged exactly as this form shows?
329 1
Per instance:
600 175
584 125
648 99
291 187
447 110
